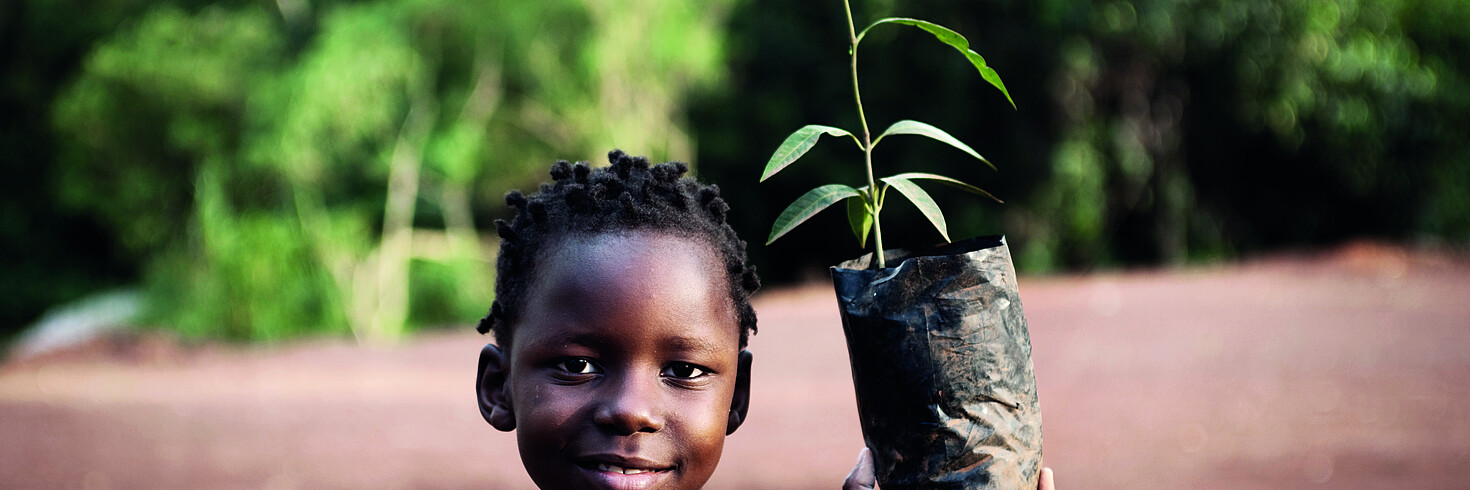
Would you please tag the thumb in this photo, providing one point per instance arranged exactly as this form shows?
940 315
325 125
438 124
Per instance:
861 477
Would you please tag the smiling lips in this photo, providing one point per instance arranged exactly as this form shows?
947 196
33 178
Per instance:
625 471
618 463
627 475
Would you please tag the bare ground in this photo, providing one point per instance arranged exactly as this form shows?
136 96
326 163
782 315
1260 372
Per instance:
1349 369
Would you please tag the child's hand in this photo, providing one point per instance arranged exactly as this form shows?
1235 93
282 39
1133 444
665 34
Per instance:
863 477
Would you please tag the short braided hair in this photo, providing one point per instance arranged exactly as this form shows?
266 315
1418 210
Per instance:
627 196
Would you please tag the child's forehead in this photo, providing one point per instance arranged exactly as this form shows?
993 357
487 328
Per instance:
630 281
628 252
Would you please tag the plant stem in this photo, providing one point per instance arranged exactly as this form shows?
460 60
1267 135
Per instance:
874 203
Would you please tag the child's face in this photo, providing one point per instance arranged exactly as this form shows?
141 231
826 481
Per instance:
624 365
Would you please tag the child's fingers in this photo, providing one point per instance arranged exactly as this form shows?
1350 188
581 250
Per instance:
1046 482
861 477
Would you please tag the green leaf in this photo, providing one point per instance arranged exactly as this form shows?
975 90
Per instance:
947 181
922 129
797 145
922 201
952 38
807 205
860 218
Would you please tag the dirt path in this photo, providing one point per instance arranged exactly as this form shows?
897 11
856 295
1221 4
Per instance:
1349 370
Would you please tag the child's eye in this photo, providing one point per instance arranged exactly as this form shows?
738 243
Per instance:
578 366
684 370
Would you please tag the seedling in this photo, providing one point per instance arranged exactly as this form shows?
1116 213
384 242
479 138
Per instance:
864 203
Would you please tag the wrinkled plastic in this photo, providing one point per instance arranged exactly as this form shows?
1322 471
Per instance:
941 361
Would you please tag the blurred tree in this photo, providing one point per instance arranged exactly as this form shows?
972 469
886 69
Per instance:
279 168
313 168
1225 125
49 252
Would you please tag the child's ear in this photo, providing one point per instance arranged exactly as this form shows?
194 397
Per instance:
490 387
740 404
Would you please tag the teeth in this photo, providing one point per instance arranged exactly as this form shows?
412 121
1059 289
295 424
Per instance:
619 469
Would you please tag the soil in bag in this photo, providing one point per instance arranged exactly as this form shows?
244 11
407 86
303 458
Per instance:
941 362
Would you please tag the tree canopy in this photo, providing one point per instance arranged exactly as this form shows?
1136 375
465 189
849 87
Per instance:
273 169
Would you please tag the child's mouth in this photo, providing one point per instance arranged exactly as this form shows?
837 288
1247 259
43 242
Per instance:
637 475
625 471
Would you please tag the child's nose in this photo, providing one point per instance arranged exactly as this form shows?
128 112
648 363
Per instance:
629 406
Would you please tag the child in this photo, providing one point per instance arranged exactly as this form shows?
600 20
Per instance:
621 317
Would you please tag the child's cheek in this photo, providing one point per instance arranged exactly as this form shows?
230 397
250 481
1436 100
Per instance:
553 405
705 416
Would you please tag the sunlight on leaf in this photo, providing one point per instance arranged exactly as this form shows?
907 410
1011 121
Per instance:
946 181
922 201
922 129
808 205
797 145
952 38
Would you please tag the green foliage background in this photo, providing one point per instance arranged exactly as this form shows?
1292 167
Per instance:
1147 131
274 169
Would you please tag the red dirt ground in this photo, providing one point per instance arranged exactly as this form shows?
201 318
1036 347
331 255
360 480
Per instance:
1344 370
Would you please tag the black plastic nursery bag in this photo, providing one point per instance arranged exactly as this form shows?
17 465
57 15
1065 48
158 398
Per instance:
941 360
